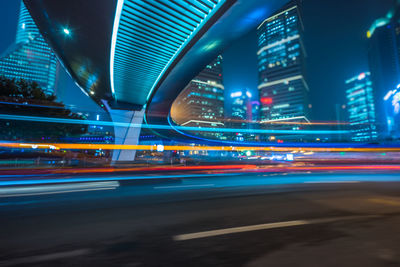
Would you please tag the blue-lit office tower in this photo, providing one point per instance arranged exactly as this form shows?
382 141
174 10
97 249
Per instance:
30 57
241 114
361 108
241 106
201 103
281 58
384 61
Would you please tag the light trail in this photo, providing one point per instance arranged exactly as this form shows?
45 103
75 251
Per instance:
267 175
58 146
204 169
57 189
32 105
167 127
276 122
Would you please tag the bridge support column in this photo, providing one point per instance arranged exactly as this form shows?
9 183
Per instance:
125 134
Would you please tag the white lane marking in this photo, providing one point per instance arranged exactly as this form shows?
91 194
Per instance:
265 226
56 189
183 186
46 257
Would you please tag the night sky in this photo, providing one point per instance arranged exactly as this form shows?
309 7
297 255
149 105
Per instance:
71 95
334 38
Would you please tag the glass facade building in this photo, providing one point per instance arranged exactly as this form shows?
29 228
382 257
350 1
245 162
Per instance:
242 112
30 57
282 86
392 112
361 108
384 62
241 106
201 103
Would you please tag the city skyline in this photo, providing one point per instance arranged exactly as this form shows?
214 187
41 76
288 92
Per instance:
336 48
200 132
353 35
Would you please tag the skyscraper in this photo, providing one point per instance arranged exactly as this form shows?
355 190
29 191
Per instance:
392 112
242 114
30 57
361 108
241 106
281 57
201 103
384 60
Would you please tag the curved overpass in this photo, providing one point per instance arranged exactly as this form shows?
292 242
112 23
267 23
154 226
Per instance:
142 53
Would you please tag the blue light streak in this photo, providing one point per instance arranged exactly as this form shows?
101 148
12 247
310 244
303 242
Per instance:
98 179
29 105
163 127
231 179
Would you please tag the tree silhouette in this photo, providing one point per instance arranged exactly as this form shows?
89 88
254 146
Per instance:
27 98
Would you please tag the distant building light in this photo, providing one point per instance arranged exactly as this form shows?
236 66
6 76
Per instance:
91 92
266 100
289 157
160 148
286 105
361 76
66 31
97 117
249 95
236 94
389 94
23 26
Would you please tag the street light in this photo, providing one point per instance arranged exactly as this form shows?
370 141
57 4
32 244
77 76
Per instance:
66 31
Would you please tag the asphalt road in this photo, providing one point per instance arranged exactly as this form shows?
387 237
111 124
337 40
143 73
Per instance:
334 220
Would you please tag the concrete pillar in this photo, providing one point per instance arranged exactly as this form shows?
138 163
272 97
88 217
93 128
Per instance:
125 135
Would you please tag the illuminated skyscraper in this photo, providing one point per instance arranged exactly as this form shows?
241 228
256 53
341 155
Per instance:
242 113
384 62
392 112
201 103
281 55
361 108
30 57
241 106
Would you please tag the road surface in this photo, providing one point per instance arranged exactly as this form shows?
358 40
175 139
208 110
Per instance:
239 220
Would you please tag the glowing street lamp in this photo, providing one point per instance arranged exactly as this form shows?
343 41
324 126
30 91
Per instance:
66 31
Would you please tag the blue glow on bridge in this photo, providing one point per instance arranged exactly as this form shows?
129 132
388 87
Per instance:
120 4
164 127
147 38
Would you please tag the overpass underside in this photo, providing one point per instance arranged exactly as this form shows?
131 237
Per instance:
139 55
